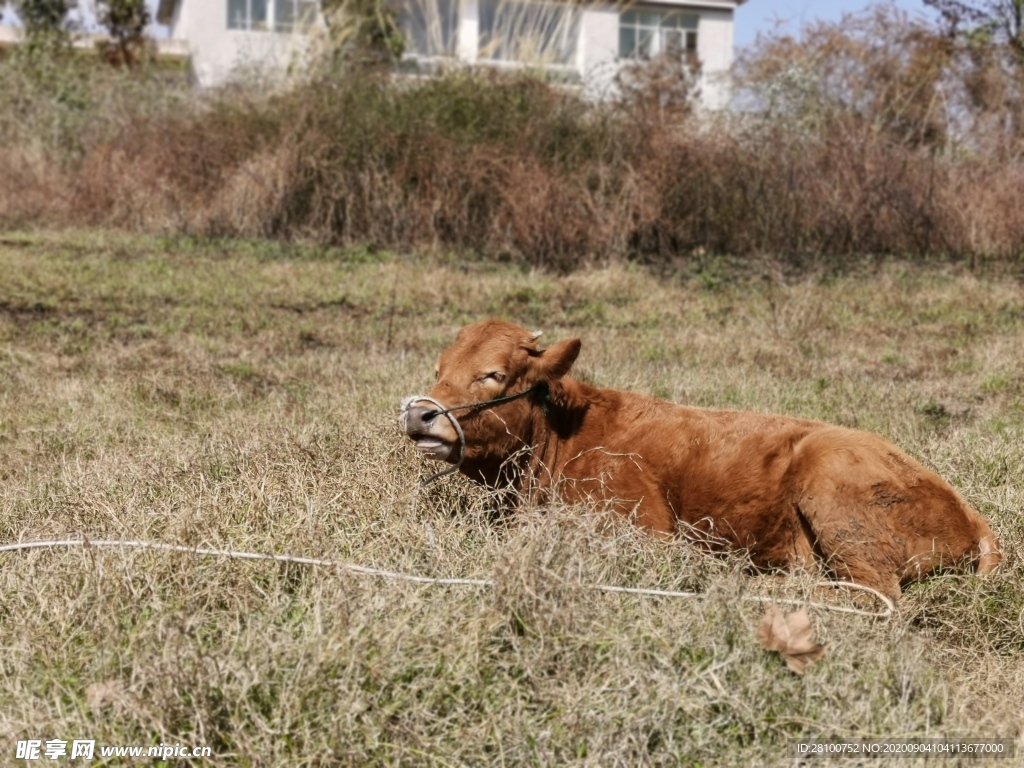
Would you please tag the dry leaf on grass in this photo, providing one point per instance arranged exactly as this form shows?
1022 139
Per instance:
791 636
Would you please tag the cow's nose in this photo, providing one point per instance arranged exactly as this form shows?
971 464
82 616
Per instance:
427 415
419 417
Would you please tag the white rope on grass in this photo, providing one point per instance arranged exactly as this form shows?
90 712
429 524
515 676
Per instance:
360 570
237 555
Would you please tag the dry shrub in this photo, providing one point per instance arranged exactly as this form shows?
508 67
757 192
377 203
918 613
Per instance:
26 193
983 214
882 68
258 184
860 138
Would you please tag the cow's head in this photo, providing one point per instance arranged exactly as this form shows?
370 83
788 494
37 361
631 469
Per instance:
488 361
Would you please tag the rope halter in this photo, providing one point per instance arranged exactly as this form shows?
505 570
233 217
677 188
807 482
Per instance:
541 387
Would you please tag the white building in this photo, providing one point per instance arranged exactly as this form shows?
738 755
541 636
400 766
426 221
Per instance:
587 41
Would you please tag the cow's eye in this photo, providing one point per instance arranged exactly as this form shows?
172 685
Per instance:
497 376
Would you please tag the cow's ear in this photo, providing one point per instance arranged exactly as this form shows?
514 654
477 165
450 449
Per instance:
555 361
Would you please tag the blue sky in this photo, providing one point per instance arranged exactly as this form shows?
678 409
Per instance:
760 15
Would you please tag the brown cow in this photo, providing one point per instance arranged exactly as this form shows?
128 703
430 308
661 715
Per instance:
785 490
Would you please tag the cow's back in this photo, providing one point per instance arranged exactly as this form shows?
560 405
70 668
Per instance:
724 476
783 489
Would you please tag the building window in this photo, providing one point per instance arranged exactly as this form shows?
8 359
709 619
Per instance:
529 32
429 27
288 15
247 14
294 15
644 34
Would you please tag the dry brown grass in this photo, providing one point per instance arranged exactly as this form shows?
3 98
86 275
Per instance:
244 395
857 138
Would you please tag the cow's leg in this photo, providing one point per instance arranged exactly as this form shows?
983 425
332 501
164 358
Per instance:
652 515
619 482
882 540
879 517
853 542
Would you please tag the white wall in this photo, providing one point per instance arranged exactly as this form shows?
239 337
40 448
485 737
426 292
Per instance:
715 47
469 30
10 34
599 48
217 52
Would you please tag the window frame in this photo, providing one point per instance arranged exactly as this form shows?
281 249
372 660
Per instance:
499 53
304 13
443 16
248 22
649 30
302 19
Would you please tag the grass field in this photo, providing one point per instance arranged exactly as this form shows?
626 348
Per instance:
244 396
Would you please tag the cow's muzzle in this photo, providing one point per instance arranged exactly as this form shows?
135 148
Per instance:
433 431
